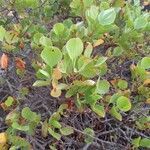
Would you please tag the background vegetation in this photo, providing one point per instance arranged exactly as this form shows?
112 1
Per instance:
74 74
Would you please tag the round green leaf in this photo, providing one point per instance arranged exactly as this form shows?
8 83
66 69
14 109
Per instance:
103 86
36 38
45 41
51 56
117 51
140 22
122 84
89 135
58 28
66 130
74 48
145 63
9 101
123 103
107 17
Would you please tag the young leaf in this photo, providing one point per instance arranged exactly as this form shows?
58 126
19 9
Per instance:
17 126
66 130
117 51
2 33
89 135
54 134
100 61
140 23
122 84
39 83
51 56
107 17
136 142
58 28
9 101
99 110
45 41
55 123
74 48
145 142
123 103
88 50
103 86
145 63
115 113
44 129
37 37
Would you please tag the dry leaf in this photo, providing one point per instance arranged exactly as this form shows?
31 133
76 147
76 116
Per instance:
20 64
132 67
3 106
148 101
4 61
21 45
57 74
113 82
98 42
146 3
55 92
147 81
3 138
54 83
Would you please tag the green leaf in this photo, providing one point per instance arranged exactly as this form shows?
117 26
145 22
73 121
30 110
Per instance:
55 123
100 61
117 51
107 17
40 83
74 48
2 33
26 113
44 129
140 22
17 126
45 41
99 110
145 142
123 103
66 130
54 134
51 56
136 142
92 98
9 101
145 63
88 50
37 37
58 28
103 86
92 12
122 84
115 113
89 135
